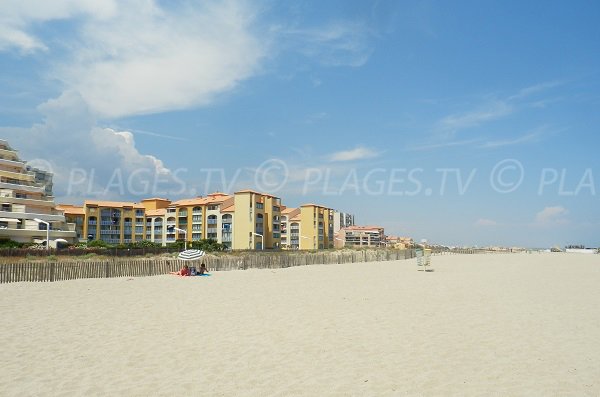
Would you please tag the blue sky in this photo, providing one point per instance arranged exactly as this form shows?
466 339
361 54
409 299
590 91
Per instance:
470 122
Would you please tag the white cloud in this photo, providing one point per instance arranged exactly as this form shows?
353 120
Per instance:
340 43
551 214
17 16
534 89
89 161
146 59
527 138
359 153
135 57
488 113
485 222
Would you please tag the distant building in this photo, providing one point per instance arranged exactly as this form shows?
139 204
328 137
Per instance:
399 242
26 197
362 236
342 220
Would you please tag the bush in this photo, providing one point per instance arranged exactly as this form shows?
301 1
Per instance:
8 243
98 244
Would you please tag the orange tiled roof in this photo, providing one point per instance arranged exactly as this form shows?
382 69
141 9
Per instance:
156 199
213 198
112 204
314 205
255 192
188 202
287 210
159 212
70 209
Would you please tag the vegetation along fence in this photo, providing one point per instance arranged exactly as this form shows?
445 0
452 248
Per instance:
69 270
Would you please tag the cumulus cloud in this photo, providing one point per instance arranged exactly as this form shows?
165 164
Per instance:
87 160
551 214
359 153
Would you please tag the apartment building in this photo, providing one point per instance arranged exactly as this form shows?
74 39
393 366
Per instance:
316 227
363 236
75 215
27 209
257 220
290 228
342 220
398 242
202 218
114 222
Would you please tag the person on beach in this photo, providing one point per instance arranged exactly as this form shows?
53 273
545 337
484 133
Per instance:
203 269
185 271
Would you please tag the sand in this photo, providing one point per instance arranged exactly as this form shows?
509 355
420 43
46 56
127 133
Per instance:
479 325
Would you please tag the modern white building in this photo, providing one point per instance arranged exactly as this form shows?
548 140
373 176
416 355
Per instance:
27 206
342 220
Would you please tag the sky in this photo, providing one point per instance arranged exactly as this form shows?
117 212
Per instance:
463 123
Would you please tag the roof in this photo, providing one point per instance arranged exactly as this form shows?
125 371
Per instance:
112 204
70 209
287 210
362 228
213 198
158 212
315 205
255 192
189 202
228 206
156 199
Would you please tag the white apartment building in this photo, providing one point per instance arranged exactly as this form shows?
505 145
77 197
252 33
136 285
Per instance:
27 206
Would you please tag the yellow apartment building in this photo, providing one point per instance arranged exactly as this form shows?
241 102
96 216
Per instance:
155 212
114 222
316 227
201 218
257 220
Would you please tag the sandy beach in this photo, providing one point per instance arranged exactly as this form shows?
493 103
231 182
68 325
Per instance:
479 325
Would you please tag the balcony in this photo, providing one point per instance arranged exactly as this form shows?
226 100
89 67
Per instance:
226 237
22 187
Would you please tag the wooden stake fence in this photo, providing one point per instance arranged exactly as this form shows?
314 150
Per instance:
58 271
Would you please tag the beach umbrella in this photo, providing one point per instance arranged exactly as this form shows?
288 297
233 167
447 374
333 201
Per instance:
190 255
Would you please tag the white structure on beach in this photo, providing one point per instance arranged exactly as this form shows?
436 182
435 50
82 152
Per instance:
27 206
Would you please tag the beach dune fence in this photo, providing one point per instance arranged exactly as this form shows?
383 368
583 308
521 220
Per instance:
69 270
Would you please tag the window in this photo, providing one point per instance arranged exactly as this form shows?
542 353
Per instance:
259 206
213 207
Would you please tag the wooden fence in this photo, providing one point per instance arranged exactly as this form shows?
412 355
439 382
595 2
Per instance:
61 270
